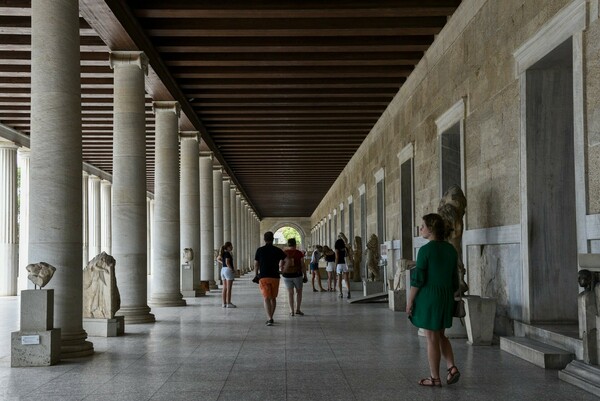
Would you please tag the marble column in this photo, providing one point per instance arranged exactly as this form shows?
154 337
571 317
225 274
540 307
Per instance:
9 247
218 214
238 231
245 235
85 179
207 257
226 211
166 257
105 217
149 236
233 213
94 219
56 213
129 185
23 160
190 206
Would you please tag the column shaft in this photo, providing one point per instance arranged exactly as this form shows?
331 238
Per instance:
166 274
94 219
233 213
55 232
85 182
207 246
9 247
129 185
238 232
23 157
226 212
218 215
105 217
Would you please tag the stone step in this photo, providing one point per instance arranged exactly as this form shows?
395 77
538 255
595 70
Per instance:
540 354
564 337
584 376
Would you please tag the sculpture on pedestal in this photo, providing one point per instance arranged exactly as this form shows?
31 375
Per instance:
101 297
40 273
188 255
589 317
357 259
452 208
373 258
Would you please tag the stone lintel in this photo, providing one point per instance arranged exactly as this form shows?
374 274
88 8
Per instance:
127 58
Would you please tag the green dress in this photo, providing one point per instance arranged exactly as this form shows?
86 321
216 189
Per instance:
436 276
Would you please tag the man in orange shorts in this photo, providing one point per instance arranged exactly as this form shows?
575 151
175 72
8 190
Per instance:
266 271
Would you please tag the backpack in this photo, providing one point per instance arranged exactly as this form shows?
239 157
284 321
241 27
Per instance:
289 264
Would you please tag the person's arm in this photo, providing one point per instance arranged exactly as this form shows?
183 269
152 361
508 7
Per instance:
256 265
418 278
337 254
411 299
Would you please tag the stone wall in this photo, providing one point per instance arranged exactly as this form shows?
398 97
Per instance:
471 59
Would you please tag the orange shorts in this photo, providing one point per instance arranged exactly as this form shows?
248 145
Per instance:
269 287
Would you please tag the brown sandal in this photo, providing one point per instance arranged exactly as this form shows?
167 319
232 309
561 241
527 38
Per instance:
452 377
430 382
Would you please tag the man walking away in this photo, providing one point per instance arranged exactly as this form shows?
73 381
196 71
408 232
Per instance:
266 271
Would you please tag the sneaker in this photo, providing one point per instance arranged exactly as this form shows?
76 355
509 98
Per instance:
348 295
341 295
231 306
224 305
270 322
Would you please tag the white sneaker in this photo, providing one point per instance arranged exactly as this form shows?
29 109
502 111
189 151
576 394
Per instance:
231 306
224 305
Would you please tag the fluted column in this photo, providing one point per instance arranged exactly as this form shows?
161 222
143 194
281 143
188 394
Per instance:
55 232
207 275
94 219
149 236
233 213
85 179
23 161
245 235
166 259
238 231
190 208
129 185
9 247
218 214
226 211
105 217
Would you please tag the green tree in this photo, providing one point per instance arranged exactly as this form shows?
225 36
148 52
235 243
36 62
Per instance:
290 232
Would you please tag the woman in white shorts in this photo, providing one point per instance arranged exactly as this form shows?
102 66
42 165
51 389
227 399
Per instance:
341 266
330 260
227 273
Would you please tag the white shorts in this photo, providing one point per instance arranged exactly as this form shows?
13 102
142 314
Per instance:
227 274
330 266
341 268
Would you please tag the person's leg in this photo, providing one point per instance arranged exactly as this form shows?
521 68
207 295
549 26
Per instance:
291 299
267 303
318 275
312 279
273 305
433 352
329 287
448 354
347 277
299 299
224 293
339 280
229 285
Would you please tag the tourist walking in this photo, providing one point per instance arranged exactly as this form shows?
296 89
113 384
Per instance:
314 267
293 271
266 273
329 256
227 273
341 267
434 282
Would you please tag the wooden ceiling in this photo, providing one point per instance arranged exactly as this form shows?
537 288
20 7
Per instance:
283 92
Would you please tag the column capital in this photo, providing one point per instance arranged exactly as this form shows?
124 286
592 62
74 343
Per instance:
218 168
166 106
24 152
127 58
105 182
232 186
206 154
6 144
85 174
226 180
189 135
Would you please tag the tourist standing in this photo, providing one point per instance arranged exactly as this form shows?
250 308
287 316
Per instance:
227 273
434 282
341 267
266 273
314 267
293 271
330 268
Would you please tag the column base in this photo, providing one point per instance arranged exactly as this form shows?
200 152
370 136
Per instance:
213 285
96 327
205 285
74 345
167 300
193 294
136 314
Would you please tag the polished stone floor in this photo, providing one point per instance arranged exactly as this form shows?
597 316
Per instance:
337 351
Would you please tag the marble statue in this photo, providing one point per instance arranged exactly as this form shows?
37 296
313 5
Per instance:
373 258
357 259
188 255
40 273
101 297
400 275
589 317
452 208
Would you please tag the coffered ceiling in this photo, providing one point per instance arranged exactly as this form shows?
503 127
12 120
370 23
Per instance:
283 92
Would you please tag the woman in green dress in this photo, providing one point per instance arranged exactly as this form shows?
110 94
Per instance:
431 301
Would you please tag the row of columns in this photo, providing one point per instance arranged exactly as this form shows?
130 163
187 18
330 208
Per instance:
57 229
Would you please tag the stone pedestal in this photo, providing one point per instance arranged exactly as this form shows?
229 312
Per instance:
38 342
204 285
372 287
187 282
397 300
104 327
479 320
